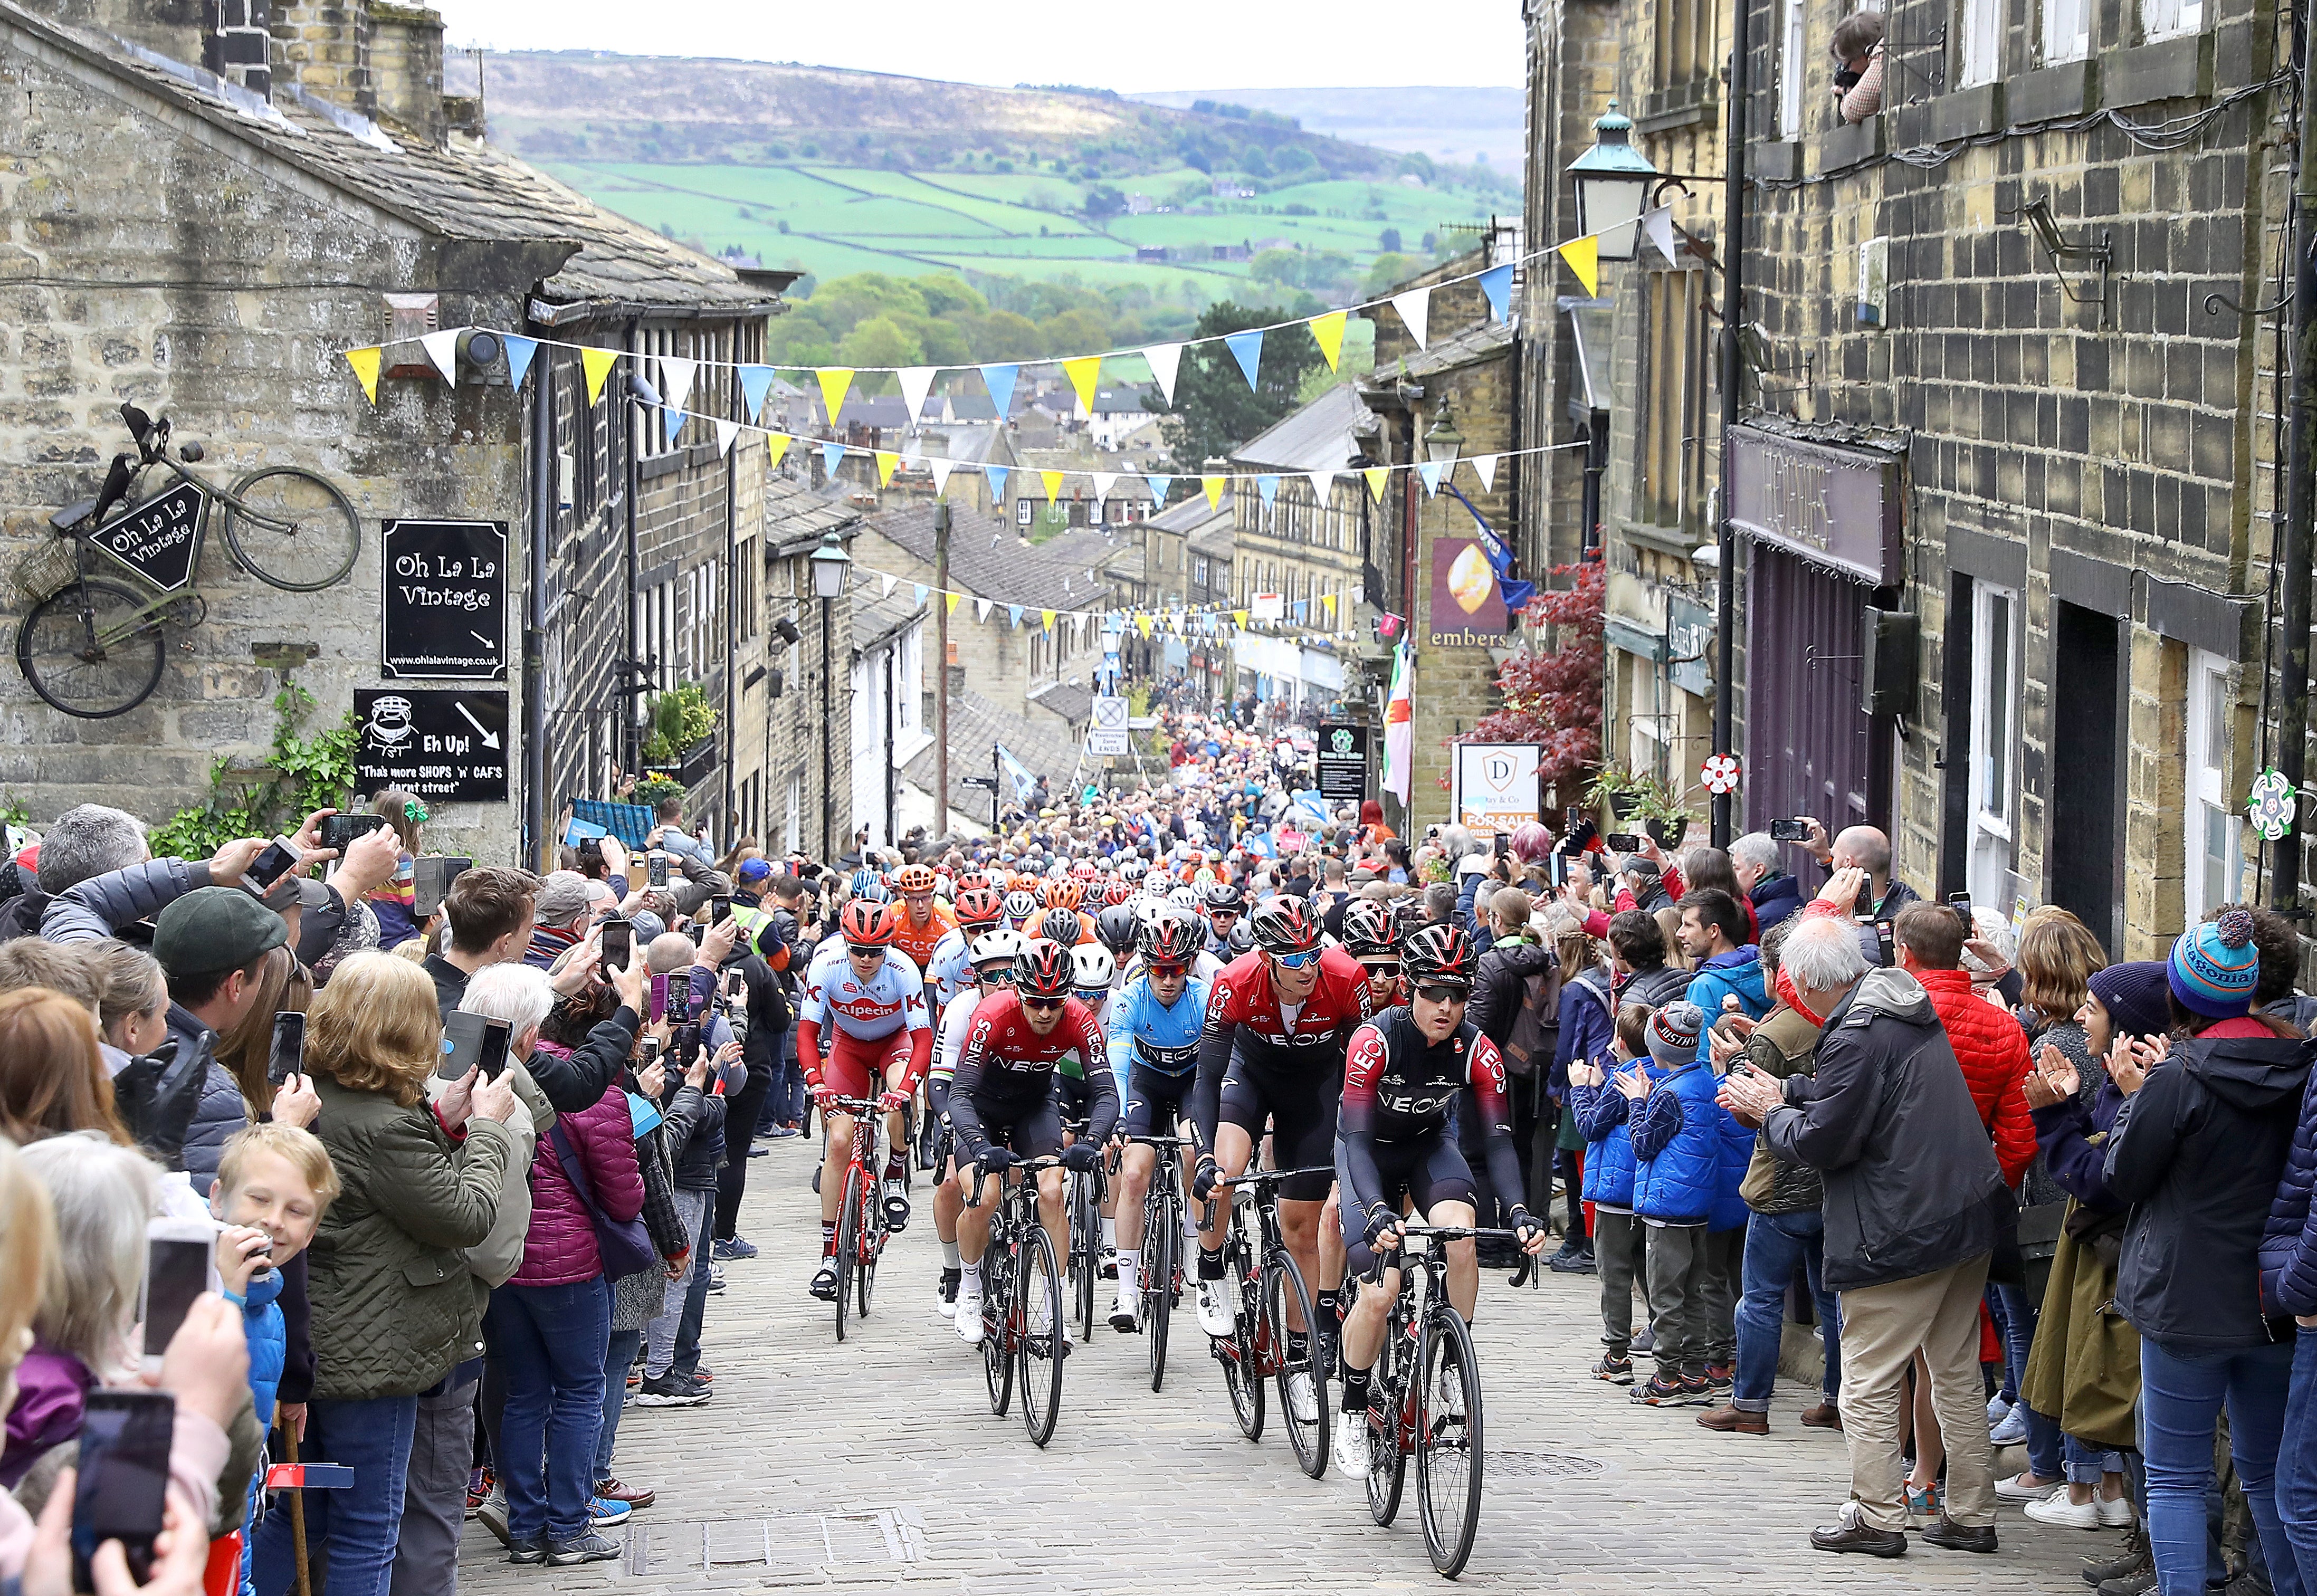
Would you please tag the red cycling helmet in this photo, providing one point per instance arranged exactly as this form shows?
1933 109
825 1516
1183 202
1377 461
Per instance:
1085 871
864 924
980 905
973 878
1438 955
1063 894
1173 938
1045 970
1284 925
1116 891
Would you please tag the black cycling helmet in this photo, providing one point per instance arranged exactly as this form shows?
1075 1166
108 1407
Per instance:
1438 955
1242 938
1174 937
1115 925
1368 931
1061 925
1282 925
1224 897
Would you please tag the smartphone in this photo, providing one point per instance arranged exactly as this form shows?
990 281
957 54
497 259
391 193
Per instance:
1886 942
288 1057
656 868
1503 843
497 1034
619 942
719 908
1556 869
650 1051
180 1264
656 992
1960 901
1789 831
679 997
687 1046
462 1043
271 866
339 831
123 1473
430 883
1622 842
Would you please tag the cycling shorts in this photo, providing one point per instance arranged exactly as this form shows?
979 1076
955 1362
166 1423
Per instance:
1427 1171
1155 1100
1076 1098
855 1068
1027 1130
1299 1108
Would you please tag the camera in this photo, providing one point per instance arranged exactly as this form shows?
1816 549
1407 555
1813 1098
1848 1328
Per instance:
1789 831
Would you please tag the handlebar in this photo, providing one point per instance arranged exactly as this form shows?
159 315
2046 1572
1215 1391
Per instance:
1272 1177
1458 1232
854 1106
1160 1141
1026 1165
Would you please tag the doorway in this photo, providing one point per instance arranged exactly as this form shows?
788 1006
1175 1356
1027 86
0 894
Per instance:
2087 785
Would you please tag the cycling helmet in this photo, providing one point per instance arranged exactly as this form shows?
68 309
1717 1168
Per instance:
863 879
1134 869
865 924
1174 938
1085 870
1063 893
873 891
994 945
1043 970
1438 955
1283 925
1061 925
1093 968
1185 898
980 905
973 878
1368 931
1242 938
913 878
1224 898
1021 904
1117 928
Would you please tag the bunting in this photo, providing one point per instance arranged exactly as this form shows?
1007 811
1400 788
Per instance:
1246 349
597 364
1083 372
1377 475
1165 359
950 601
980 609
727 432
940 468
1656 227
1214 486
832 455
1104 481
1047 616
887 463
1430 470
997 476
917 383
776 446
1323 484
1159 487
885 580
1001 381
1484 467
1497 283
1328 331
919 591
1414 307
1053 481
756 388
365 364
1584 258
519 352
1267 487
443 348
836 382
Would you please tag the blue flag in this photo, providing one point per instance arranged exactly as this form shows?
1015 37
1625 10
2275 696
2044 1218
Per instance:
1246 349
1501 558
997 476
1268 487
756 382
1497 282
519 352
832 455
1000 379
1023 782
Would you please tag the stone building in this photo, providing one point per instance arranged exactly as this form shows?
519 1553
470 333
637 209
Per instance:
208 206
808 775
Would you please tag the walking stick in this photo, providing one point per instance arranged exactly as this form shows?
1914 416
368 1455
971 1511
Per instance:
297 1514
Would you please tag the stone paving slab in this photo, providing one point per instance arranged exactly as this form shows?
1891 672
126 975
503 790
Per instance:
877 1464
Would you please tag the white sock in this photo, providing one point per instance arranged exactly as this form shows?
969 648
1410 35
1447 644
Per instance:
949 1255
1130 1265
972 1275
1110 1232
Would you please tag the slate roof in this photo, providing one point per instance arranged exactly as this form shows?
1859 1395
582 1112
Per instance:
976 727
462 189
1217 538
988 559
796 513
1073 702
1478 341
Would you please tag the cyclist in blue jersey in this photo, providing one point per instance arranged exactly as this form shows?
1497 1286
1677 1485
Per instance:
1154 1054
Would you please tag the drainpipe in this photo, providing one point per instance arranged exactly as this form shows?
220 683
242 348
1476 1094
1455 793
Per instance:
1733 373
2294 552
545 490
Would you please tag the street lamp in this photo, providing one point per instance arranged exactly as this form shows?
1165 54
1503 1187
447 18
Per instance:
1442 440
830 564
1613 185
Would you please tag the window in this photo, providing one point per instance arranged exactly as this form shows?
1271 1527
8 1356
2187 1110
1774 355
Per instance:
2170 19
1994 736
1793 68
1982 40
792 820
2214 864
1688 41
1199 571
2067 31
1022 511
1646 714
749 584
1670 431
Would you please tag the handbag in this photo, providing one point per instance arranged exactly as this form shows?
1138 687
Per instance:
624 1244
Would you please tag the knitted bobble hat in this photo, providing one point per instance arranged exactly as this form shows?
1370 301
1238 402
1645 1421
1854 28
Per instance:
1673 1033
2214 967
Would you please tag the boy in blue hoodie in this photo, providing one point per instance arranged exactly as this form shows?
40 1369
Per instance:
273 1183
1677 1134
1601 1110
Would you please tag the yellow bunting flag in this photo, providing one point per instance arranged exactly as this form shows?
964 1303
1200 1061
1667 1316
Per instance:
776 444
597 364
365 364
1083 373
1328 331
953 598
1377 476
1584 258
1053 481
1214 486
836 382
1142 624
1047 616
1238 618
886 462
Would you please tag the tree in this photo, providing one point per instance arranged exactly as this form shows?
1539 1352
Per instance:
1282 266
1388 270
1554 698
1388 241
1215 411
1104 201
880 340
1007 335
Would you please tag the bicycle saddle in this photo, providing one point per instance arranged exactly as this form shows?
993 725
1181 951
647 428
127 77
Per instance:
72 517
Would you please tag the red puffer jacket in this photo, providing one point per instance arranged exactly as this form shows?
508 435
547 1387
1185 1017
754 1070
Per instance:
560 1247
1993 1053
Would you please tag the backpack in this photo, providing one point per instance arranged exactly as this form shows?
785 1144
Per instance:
1536 1028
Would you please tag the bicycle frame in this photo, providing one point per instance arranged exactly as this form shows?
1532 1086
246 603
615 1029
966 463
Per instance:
1270 1341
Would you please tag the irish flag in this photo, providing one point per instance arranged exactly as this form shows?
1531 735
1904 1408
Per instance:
1399 729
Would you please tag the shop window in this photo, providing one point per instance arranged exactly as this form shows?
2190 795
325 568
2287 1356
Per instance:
2214 862
1994 736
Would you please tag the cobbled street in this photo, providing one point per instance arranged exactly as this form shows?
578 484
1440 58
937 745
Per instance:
878 1464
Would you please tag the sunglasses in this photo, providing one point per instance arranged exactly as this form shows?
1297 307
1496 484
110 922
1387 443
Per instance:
1443 995
995 978
1384 972
1295 961
1167 972
1043 1005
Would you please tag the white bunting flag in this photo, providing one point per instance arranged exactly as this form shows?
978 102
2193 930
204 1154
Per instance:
1484 467
726 430
942 469
887 590
1104 481
916 382
1414 307
1323 483
980 609
443 348
1165 360
1656 227
675 380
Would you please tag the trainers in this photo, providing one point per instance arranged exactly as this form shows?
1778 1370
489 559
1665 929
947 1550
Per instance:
945 1294
1851 1533
2138 1582
1572 1260
2115 1513
1218 1309
1658 1391
585 1548
1824 1417
1700 1390
2015 1488
1735 1421
616 1490
1645 1340
667 1391
967 1313
1616 1371
1352 1444
715 1278
735 1246
1926 1504
1959 1538
2058 1511
780 1133
2013 1430
1998 1406
603 1510
527 1554
1722 1377
491 1514
823 1280
478 1485
1126 1313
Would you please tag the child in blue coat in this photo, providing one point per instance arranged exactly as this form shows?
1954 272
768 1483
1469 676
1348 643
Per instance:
1602 1112
1677 1130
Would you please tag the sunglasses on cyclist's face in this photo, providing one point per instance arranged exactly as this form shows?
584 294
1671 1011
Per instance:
1384 971
1296 961
1168 972
1042 1005
996 977
1442 994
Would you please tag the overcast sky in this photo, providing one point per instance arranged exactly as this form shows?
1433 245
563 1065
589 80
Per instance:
1183 44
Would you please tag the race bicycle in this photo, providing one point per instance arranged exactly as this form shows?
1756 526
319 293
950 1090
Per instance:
1272 1303
94 647
1423 1397
1162 1247
861 1226
1022 1324
1083 1191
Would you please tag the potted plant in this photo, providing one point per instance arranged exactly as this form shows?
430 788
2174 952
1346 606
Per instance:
681 746
1631 795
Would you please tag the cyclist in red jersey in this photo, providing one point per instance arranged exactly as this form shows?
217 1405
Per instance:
1272 1051
1002 1103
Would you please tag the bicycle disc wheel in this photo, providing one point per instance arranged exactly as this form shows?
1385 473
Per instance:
1387 1469
998 1326
1448 1440
1160 1239
1039 1291
292 529
1085 1251
848 1246
1284 1298
1241 1377
90 649
870 1225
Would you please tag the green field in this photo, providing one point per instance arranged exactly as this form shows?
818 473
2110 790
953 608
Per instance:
833 220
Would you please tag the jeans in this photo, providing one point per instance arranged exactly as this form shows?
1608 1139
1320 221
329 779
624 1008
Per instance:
617 1357
2014 1323
694 1209
739 1119
2296 1461
551 1339
695 1304
1776 1245
2181 1393
786 1106
356 1528
434 1489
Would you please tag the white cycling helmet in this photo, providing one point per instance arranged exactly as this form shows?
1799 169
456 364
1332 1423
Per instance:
1185 898
1133 869
1091 968
993 945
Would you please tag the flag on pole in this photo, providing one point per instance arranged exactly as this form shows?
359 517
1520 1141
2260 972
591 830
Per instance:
1399 730
1023 782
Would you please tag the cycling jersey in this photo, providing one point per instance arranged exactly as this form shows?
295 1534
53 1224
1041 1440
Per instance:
957 1018
1005 1070
1399 1090
948 969
1261 1064
918 941
1163 1038
890 1003
1204 968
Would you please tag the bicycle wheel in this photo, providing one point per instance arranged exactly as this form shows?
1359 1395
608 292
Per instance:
1038 1289
997 1331
1085 1251
848 1246
1303 1411
1448 1439
293 529
1241 1376
91 650
1387 1469
1162 1239
870 1225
